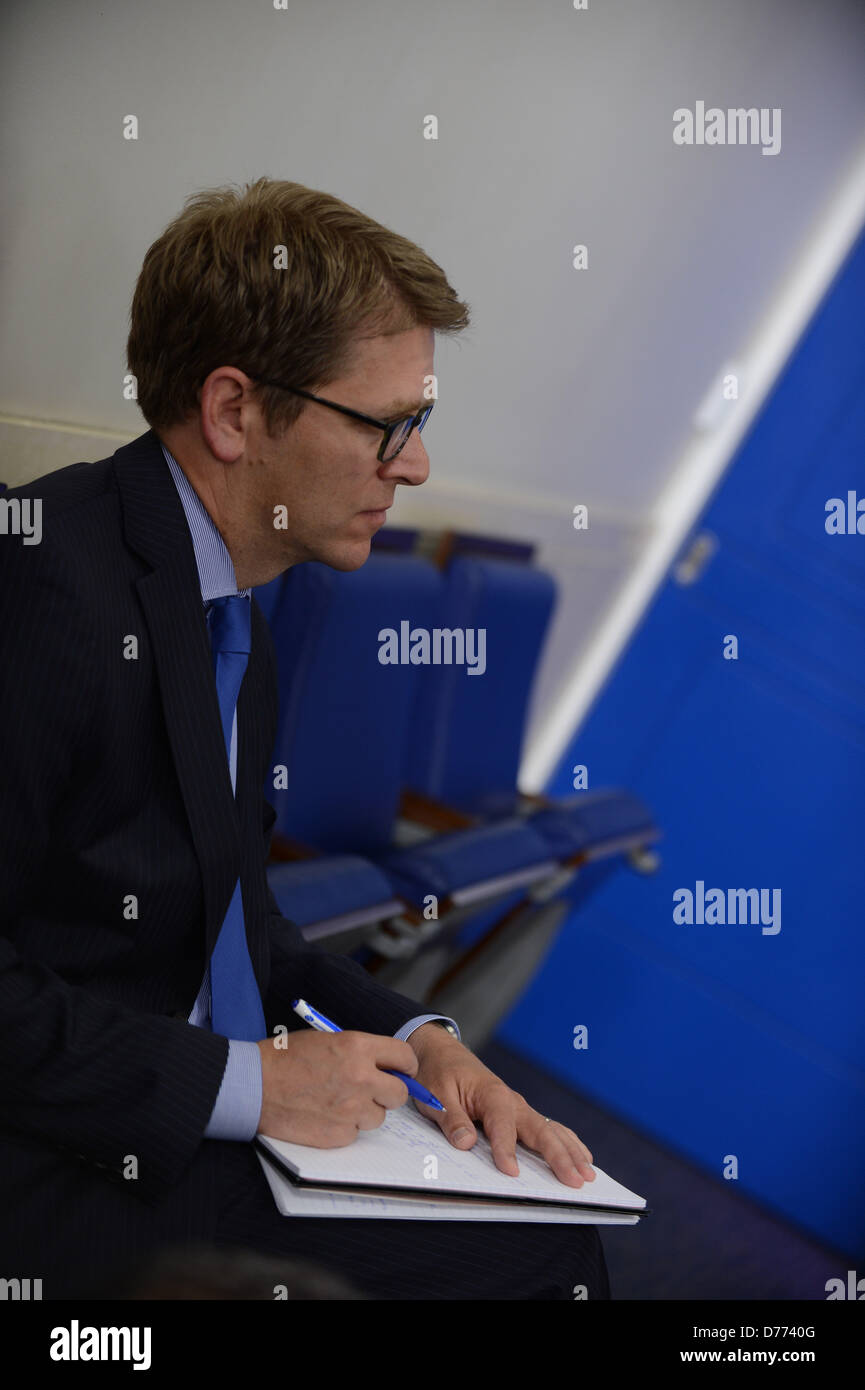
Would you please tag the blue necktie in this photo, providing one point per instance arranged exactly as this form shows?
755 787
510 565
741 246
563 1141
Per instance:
235 1008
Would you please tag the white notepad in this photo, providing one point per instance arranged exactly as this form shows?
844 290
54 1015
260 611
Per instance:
387 1172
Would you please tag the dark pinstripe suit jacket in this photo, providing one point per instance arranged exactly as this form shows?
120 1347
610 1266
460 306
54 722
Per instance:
121 841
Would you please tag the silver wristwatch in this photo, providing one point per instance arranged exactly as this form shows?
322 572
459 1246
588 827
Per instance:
449 1026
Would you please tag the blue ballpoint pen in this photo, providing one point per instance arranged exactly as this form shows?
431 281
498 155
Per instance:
324 1025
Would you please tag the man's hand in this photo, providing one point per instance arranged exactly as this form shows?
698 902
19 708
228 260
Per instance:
471 1092
322 1088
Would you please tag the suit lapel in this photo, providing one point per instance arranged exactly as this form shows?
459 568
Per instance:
155 527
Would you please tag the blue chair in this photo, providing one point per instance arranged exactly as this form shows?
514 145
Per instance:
474 727
344 730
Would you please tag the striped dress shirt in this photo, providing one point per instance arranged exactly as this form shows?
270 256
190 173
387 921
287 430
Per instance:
237 1108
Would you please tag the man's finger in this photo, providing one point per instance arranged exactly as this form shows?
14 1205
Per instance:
459 1129
562 1150
501 1129
453 1122
581 1155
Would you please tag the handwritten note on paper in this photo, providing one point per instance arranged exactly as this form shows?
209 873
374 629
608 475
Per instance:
397 1155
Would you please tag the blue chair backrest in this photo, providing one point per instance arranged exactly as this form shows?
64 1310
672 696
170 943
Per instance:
471 727
344 716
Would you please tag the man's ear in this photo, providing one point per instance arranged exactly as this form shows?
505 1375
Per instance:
228 412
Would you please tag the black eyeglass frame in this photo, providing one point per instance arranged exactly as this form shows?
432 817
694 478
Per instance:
417 421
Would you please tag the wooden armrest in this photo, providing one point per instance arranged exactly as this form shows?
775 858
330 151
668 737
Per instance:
284 850
437 815
536 799
444 549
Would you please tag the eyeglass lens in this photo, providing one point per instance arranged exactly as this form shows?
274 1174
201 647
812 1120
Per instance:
401 434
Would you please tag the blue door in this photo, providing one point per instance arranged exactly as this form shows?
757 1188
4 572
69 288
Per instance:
742 1040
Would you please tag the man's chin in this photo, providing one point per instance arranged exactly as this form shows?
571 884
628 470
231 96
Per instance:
345 555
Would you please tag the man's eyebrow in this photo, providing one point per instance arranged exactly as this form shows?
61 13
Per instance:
398 410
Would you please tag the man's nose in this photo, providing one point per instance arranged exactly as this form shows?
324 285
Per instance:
411 464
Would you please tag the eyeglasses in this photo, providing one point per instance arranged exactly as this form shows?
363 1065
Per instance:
396 434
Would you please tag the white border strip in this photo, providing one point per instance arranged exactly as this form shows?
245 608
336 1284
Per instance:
700 466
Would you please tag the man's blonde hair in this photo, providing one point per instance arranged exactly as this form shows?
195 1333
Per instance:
210 295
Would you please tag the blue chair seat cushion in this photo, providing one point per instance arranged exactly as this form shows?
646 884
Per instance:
585 823
447 863
314 890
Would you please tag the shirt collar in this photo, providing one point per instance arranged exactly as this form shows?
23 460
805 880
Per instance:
215 567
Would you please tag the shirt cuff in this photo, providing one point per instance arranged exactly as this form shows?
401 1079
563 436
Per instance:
413 1023
237 1110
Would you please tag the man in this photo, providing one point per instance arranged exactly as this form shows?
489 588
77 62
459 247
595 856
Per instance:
144 965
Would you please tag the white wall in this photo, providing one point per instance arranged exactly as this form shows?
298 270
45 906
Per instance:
555 127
